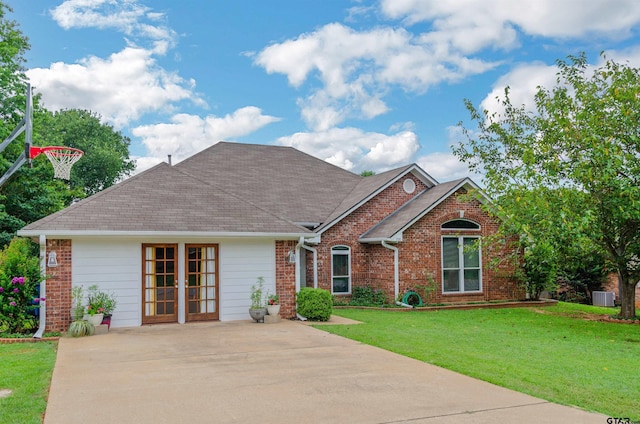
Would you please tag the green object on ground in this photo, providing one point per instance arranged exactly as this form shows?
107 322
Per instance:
563 354
26 371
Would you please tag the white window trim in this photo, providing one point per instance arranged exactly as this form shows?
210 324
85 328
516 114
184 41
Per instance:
461 267
346 252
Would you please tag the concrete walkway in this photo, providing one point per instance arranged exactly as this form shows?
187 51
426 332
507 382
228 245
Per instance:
241 372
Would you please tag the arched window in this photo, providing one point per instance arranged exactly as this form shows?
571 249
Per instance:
460 224
340 270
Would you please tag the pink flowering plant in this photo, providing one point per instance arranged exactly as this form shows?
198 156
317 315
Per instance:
19 299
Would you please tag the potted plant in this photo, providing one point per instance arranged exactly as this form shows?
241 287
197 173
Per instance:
101 302
79 327
273 304
257 309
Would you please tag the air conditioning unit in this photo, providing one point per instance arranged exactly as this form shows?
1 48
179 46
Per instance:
602 298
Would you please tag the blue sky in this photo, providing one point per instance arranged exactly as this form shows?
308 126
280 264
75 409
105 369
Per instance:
365 85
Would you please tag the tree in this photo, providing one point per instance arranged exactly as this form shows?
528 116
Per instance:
13 46
106 151
569 172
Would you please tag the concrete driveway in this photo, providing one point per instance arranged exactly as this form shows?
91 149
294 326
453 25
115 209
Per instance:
241 372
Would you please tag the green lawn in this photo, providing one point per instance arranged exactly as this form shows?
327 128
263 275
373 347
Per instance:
25 369
554 353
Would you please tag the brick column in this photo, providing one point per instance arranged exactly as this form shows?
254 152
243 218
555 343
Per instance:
59 286
286 278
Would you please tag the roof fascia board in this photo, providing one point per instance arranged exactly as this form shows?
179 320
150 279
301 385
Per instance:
216 234
381 189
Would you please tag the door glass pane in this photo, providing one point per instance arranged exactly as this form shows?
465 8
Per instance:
450 257
451 280
471 257
471 279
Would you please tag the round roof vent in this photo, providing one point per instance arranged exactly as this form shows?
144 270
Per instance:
409 186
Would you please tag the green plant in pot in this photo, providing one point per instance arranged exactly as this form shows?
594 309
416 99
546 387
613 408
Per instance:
101 303
257 310
79 327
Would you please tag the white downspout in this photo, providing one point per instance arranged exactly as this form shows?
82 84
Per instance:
43 287
315 263
396 273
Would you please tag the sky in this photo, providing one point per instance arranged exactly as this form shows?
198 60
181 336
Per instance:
364 85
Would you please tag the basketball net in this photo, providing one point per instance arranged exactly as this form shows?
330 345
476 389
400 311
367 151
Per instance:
62 158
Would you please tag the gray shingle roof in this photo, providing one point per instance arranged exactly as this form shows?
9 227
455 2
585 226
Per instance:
426 200
234 188
163 199
283 180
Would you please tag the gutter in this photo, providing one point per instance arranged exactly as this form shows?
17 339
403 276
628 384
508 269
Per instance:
43 287
315 263
396 273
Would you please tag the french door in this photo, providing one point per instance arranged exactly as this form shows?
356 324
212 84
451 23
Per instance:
161 282
201 288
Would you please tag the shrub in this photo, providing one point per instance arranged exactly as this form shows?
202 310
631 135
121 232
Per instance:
19 275
368 296
314 304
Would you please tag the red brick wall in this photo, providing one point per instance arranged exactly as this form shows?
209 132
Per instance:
612 286
347 232
419 252
286 278
421 260
59 287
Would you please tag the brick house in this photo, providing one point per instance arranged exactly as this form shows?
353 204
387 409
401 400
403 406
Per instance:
186 242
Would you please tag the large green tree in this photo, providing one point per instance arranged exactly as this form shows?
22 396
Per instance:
106 151
568 172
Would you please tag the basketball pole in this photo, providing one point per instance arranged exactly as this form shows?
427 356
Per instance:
26 126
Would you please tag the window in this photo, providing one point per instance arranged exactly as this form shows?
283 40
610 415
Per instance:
460 224
461 264
341 270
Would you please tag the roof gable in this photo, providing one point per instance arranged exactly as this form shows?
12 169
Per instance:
370 187
392 226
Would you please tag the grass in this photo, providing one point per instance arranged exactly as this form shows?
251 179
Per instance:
26 371
555 353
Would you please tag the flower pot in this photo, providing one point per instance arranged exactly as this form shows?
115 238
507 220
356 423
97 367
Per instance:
258 314
106 319
273 309
95 319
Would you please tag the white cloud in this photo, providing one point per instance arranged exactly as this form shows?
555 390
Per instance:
187 134
493 21
126 16
523 80
356 150
444 166
357 69
122 88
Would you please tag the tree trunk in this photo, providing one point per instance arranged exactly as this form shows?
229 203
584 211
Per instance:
627 290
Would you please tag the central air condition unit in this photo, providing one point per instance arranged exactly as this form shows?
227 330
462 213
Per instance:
601 298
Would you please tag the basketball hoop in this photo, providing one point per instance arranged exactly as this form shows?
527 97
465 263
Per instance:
62 158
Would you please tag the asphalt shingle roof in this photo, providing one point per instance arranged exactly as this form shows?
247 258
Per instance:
234 188
283 180
166 200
